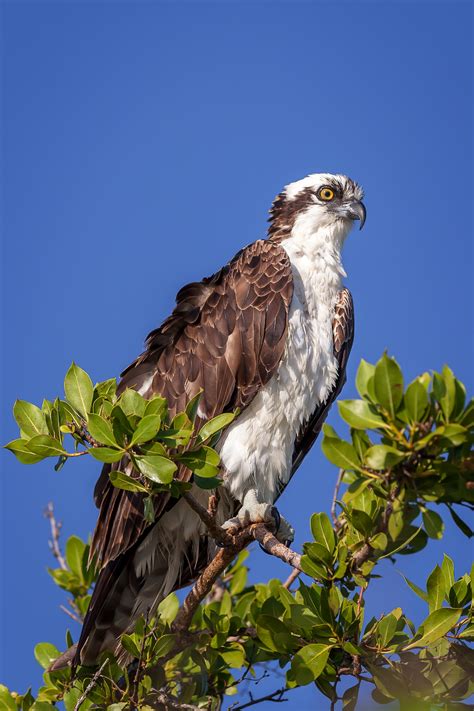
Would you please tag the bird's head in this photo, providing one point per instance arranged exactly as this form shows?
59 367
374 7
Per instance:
318 202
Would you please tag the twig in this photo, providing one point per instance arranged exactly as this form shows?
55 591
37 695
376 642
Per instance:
170 704
273 546
276 697
55 533
71 614
90 686
203 586
335 497
291 578
136 680
207 516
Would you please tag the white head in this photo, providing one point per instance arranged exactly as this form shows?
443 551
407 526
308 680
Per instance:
320 203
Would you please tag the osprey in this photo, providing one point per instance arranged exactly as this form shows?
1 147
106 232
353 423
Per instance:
270 333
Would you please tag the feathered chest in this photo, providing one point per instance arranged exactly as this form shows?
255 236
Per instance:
257 450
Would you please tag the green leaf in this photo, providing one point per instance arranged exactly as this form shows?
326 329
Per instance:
163 645
458 595
7 702
386 629
365 371
318 553
157 468
322 531
447 401
388 384
204 461
156 406
456 434
168 608
447 567
207 483
101 430
405 543
132 403
74 554
350 697
19 447
436 588
147 429
149 509
436 625
361 521
211 427
30 418
433 524
417 590
416 401
314 570
125 482
78 389
45 446
379 541
381 456
193 405
130 645
360 415
460 523
340 453
46 653
308 663
106 454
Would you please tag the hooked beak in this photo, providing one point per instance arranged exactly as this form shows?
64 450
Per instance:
356 211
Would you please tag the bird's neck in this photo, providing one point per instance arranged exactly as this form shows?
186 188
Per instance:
318 248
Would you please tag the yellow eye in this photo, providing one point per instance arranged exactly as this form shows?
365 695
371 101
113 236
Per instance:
326 194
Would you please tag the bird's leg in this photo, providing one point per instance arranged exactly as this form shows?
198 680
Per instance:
253 511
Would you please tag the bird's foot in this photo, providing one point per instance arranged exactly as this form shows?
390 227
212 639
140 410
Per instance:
252 511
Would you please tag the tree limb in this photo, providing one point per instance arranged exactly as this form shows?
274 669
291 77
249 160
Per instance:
55 533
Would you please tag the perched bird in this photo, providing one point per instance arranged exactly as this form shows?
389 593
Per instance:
270 333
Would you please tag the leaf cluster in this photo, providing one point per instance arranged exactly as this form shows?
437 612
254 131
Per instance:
136 435
407 460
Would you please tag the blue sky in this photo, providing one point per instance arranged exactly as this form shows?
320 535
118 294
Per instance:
142 146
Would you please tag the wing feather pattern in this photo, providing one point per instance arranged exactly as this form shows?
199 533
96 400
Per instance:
225 336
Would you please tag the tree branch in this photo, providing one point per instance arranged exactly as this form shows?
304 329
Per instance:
273 546
276 697
337 523
55 533
208 517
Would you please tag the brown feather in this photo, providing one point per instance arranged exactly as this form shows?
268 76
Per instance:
217 339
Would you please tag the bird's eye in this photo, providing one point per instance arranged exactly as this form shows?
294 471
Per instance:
326 194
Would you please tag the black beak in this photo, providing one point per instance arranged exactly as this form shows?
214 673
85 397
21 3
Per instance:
356 211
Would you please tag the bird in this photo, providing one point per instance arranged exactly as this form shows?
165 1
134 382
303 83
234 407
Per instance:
270 334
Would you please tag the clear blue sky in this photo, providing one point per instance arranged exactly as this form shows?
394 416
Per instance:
143 144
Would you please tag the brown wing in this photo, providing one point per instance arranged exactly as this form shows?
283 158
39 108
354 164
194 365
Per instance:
343 337
225 336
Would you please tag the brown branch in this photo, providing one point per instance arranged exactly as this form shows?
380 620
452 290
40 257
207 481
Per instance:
337 523
276 697
204 583
167 703
291 578
365 552
55 533
71 614
273 546
208 517
91 685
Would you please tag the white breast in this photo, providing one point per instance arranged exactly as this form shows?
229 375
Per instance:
257 449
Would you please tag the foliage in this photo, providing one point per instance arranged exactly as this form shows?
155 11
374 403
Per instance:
409 451
118 428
